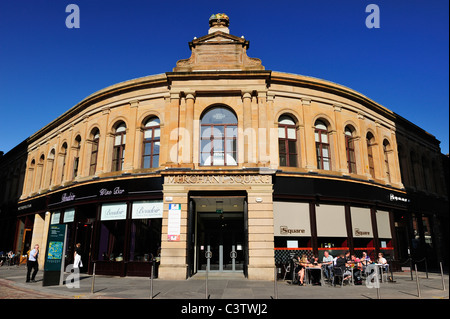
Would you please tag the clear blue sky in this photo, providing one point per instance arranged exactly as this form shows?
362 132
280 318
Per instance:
46 68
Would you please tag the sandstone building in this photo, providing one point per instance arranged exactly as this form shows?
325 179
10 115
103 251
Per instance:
223 155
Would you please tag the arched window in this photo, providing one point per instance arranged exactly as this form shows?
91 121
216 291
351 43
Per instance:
426 177
30 176
436 176
119 147
76 159
63 160
51 164
218 137
322 146
40 169
95 135
403 166
287 141
386 151
350 148
152 133
370 140
413 168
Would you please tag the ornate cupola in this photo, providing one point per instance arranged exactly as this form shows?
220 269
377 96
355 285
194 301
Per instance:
219 50
219 22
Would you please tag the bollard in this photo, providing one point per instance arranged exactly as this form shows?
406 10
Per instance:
93 280
275 288
378 281
151 280
411 268
417 282
442 277
208 255
206 284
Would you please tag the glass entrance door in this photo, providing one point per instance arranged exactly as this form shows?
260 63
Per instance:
222 235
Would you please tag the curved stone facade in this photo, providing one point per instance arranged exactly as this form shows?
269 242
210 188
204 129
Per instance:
290 129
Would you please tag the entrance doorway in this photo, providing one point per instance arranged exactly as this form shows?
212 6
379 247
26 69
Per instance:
221 229
84 225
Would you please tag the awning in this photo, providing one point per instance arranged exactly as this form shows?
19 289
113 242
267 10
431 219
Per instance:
383 224
330 221
361 222
291 219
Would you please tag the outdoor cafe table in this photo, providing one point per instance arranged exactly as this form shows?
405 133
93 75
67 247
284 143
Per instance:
308 275
380 269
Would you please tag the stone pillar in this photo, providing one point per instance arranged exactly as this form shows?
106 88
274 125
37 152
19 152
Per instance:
174 253
104 149
340 151
260 233
308 142
247 101
169 140
363 147
188 129
132 125
40 234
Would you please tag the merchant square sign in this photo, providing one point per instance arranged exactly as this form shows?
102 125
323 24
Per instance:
218 179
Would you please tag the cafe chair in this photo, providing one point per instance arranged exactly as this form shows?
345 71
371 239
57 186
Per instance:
326 279
287 269
338 273
384 272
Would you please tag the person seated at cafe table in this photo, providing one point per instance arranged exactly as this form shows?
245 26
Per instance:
327 263
314 270
302 264
347 256
381 260
341 262
365 259
357 269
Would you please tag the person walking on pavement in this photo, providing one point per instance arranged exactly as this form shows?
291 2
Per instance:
32 263
77 257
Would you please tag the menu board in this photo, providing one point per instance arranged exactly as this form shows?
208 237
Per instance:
174 222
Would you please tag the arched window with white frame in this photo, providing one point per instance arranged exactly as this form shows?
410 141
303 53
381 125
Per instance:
151 144
120 136
287 141
218 137
322 145
349 133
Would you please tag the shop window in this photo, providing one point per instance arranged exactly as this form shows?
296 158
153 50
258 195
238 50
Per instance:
119 147
292 242
152 132
94 151
145 239
350 149
370 140
427 231
287 141
334 245
112 231
218 137
112 240
322 146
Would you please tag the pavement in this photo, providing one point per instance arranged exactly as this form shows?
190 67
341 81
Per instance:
220 286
